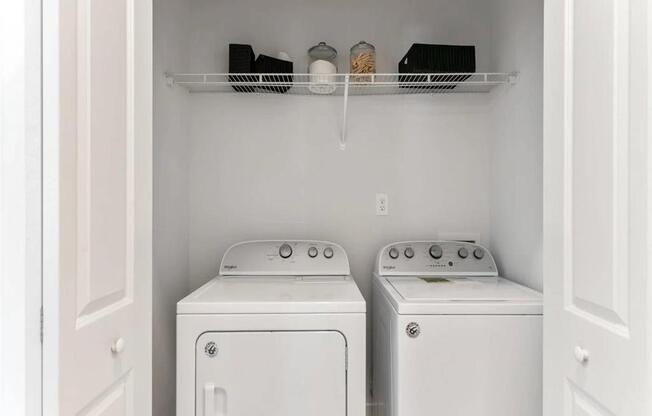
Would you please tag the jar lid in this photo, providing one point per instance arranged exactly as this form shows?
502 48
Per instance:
322 51
363 45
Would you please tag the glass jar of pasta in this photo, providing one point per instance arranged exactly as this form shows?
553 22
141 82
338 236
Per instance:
363 62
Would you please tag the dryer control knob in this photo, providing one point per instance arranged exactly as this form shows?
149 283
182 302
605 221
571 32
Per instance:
312 252
285 251
463 252
436 252
478 253
328 252
412 330
409 252
393 253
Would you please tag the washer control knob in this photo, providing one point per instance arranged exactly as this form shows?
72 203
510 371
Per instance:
285 251
328 252
312 252
478 253
436 252
393 253
409 252
463 252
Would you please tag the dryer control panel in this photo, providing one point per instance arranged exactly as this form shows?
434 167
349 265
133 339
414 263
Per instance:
285 257
435 258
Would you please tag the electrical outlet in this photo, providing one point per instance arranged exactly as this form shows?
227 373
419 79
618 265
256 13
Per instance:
382 204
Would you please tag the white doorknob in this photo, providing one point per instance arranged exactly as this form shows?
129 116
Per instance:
118 346
581 355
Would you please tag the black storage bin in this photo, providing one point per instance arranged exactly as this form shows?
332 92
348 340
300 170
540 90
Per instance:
432 59
241 61
268 65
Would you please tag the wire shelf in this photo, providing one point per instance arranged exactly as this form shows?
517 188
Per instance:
343 84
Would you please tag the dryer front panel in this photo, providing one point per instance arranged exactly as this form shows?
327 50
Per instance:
272 373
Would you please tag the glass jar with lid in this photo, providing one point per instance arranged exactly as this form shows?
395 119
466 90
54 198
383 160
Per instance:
363 61
322 68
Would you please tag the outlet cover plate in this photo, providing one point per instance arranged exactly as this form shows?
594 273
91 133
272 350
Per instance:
382 204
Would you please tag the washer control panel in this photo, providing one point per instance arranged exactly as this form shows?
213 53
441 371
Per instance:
435 258
285 257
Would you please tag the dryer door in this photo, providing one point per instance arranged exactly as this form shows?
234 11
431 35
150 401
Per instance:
277 373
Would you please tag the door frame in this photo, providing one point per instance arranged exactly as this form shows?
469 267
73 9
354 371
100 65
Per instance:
50 205
20 208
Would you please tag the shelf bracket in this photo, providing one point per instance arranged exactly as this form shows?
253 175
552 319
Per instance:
346 104
169 79
512 77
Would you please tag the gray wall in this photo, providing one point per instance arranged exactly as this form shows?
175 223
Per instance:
517 142
269 167
231 167
295 25
171 155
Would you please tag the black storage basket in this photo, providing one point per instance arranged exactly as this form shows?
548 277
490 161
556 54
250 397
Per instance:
268 65
436 59
241 61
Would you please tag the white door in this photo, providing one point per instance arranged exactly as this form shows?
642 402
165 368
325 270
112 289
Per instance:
597 356
97 207
271 373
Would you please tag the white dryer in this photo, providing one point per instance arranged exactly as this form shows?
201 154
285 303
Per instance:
279 332
452 338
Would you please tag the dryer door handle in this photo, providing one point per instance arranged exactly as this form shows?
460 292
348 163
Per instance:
214 400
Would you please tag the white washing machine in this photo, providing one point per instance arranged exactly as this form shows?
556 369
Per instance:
279 332
452 338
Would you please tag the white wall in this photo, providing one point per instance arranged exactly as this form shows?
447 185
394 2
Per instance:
269 167
235 167
295 25
282 175
20 208
171 155
517 142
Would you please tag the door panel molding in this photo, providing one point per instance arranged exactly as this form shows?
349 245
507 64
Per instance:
117 399
105 152
595 193
580 403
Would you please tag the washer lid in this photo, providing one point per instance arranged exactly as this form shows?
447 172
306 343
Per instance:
274 294
461 295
